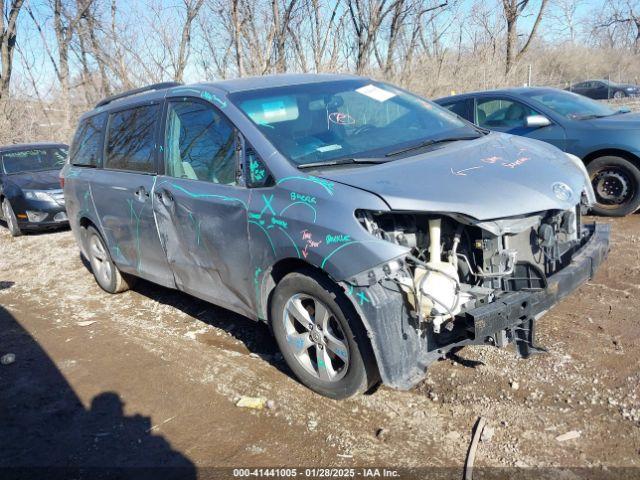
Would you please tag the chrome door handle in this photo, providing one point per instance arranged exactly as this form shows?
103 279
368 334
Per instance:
165 197
142 194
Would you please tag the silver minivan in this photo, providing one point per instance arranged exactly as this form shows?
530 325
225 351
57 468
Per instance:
373 230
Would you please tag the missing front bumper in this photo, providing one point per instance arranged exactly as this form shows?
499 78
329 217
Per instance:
512 310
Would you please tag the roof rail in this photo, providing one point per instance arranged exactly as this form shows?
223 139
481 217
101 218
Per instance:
136 91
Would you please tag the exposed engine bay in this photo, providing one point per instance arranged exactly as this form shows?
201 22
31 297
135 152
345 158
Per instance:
457 264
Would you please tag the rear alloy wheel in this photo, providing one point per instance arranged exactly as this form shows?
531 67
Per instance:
616 183
104 270
328 353
10 218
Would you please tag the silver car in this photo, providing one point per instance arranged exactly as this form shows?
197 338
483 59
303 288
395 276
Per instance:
373 230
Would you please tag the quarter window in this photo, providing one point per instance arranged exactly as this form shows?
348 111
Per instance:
86 148
130 143
199 144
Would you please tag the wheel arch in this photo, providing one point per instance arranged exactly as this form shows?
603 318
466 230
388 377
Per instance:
277 272
617 152
84 223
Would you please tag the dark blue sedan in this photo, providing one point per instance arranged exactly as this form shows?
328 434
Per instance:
30 194
607 140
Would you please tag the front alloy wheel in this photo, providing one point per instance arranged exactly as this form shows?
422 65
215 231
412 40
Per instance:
321 336
316 338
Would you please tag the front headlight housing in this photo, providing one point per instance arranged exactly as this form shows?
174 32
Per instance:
588 188
37 195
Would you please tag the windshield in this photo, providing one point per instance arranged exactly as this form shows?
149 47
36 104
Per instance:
34 160
321 122
571 105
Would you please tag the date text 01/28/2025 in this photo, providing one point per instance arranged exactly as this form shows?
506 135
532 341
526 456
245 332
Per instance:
315 473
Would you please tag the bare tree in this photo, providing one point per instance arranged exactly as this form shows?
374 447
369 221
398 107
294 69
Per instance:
192 8
622 21
513 10
8 36
366 18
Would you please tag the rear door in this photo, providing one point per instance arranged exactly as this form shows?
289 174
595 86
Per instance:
508 115
122 193
201 205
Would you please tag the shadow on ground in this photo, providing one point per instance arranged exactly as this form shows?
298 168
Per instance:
255 336
46 432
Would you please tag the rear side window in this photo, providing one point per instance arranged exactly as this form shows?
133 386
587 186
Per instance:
86 148
461 108
131 139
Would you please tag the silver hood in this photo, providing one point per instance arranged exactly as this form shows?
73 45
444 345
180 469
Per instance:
495 176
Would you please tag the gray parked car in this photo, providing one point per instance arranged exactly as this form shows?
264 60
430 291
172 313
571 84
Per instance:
373 230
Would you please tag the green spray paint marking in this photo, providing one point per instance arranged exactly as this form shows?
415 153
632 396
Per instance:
209 195
315 213
329 239
266 233
255 216
327 185
363 298
138 217
299 197
278 222
256 284
267 205
209 97
74 173
346 245
196 226
118 252
256 172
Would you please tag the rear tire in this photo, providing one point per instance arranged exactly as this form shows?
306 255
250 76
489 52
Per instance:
321 337
10 218
104 270
616 183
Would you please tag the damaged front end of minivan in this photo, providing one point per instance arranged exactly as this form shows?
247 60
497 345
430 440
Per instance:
469 282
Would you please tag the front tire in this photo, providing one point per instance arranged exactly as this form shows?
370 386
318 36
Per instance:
105 272
321 337
616 183
618 94
10 218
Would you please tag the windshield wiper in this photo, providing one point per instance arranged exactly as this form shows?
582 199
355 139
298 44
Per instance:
343 161
428 143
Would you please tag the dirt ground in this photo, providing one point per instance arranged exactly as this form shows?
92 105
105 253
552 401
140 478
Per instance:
153 381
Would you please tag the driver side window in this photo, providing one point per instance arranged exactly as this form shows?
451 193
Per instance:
502 113
199 143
